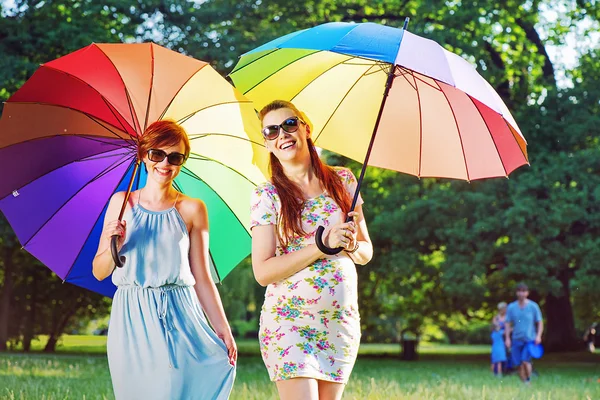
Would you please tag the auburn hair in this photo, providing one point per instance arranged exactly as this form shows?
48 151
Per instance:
290 194
163 133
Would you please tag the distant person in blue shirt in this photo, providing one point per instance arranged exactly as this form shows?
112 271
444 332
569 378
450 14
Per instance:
524 323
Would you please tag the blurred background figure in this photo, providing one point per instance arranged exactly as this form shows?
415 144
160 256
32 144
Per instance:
498 346
590 336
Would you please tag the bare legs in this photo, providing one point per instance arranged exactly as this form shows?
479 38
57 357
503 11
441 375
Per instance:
309 389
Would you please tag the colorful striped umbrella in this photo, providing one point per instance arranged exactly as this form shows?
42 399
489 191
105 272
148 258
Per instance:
388 98
71 133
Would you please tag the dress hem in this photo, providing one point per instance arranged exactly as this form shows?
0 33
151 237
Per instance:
320 378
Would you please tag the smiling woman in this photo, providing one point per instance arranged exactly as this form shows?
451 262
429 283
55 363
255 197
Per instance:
309 326
165 286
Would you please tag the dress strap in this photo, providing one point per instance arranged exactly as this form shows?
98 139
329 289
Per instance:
176 198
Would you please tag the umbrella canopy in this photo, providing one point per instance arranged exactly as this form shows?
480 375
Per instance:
367 88
71 134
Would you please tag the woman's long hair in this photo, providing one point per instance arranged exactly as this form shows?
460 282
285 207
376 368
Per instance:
290 194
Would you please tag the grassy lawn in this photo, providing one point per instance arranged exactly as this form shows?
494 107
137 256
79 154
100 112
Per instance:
443 372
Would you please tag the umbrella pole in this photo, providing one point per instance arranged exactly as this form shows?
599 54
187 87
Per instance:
321 229
119 261
388 86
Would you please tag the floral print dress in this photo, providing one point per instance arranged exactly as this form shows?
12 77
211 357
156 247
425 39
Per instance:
309 323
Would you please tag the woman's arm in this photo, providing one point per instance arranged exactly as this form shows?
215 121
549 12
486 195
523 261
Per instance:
205 288
364 253
103 263
267 267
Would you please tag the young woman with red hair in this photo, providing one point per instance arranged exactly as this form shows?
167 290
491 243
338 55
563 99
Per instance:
160 345
310 326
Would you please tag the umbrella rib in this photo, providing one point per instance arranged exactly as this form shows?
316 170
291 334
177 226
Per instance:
91 230
99 156
282 67
332 67
491 136
186 117
73 109
437 87
101 123
204 135
102 173
509 126
93 88
162 114
124 130
420 127
130 144
203 158
87 137
150 90
129 103
60 166
111 168
131 110
253 61
412 83
462 146
93 139
188 172
340 102
382 67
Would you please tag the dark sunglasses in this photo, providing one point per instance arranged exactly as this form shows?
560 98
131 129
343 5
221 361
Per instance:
290 125
156 155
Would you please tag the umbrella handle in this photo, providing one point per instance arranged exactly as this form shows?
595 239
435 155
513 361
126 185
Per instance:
119 261
322 246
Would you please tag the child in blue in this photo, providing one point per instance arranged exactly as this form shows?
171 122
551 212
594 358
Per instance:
498 345
524 323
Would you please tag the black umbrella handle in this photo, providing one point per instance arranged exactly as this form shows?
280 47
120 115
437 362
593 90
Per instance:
322 246
119 261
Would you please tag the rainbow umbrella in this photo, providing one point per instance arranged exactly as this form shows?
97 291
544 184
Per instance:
387 98
73 128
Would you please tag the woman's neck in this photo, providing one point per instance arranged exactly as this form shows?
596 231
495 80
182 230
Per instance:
301 173
155 193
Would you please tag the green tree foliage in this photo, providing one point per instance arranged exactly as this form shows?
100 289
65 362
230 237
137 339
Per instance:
446 251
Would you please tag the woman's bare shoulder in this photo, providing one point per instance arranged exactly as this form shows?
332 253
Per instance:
191 208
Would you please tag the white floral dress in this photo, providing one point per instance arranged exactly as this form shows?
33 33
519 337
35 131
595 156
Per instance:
309 323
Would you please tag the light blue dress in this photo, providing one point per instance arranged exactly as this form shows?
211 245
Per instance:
498 346
160 345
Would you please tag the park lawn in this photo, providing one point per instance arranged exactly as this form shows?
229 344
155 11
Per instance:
443 372
91 344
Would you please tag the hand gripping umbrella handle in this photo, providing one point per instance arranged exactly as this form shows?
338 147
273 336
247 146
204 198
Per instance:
322 246
119 261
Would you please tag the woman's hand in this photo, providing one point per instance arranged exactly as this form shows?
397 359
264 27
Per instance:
116 227
232 352
343 234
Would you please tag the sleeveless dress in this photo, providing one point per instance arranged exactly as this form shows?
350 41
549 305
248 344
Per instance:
498 346
160 345
309 322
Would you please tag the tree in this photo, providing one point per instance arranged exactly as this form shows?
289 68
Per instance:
443 248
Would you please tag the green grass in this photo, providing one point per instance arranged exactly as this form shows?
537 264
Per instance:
443 372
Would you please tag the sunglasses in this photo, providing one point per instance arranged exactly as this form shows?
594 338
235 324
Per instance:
174 158
290 125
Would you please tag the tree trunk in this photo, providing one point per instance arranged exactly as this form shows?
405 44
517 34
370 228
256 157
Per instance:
30 318
58 329
560 326
6 297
